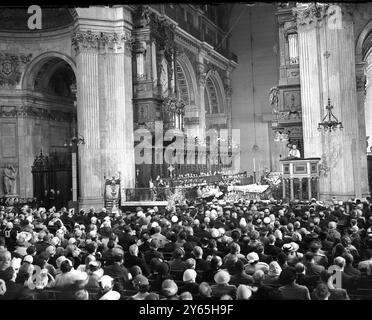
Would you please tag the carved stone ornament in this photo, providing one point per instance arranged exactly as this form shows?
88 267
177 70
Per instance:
201 74
361 82
228 90
34 112
274 99
10 73
89 40
310 14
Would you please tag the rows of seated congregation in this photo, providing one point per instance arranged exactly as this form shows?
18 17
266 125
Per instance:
202 250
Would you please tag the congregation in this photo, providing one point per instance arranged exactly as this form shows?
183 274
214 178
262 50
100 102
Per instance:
245 250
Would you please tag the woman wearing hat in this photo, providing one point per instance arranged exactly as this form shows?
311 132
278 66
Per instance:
222 286
290 249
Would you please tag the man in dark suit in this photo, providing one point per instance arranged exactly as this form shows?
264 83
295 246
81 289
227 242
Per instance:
311 267
201 265
132 259
118 272
271 249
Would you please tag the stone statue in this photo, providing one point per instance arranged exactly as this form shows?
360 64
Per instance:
274 99
10 175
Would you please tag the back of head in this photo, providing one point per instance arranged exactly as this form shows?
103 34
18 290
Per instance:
258 276
239 266
300 268
321 292
205 289
349 259
186 296
81 294
339 261
198 252
243 292
287 276
282 258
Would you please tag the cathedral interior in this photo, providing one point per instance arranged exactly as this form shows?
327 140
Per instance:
76 94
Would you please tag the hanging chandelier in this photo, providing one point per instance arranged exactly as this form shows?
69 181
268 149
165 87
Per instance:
329 122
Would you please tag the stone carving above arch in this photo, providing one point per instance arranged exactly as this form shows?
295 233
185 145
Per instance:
10 68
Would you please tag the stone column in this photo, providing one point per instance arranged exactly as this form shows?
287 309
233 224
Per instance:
88 120
319 38
201 77
362 120
113 108
128 175
368 101
105 113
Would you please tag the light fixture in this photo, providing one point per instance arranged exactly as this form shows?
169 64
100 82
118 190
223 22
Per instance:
329 122
75 140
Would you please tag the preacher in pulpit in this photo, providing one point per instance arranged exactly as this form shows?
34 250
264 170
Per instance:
294 152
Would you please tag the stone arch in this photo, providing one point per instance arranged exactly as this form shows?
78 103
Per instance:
213 78
53 58
364 43
190 77
363 57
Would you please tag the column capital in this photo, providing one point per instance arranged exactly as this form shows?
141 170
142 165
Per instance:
311 15
94 41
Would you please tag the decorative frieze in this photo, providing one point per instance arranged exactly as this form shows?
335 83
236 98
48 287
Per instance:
88 40
10 73
34 112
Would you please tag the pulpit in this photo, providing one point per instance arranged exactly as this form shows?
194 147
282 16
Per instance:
300 178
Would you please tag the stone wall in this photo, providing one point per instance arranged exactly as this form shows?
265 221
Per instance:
265 76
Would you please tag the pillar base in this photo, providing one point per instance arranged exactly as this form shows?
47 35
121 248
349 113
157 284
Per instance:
95 202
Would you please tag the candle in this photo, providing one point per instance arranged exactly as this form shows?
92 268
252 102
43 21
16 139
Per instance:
254 165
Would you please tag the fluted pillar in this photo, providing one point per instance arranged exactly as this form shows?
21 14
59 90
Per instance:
201 72
311 88
368 102
116 142
105 117
87 80
362 121
334 78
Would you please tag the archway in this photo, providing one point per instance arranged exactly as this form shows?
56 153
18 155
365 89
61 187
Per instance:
49 82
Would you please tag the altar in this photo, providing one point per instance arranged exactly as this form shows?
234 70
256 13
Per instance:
300 178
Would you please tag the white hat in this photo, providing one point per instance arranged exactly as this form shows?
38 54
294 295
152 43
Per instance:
266 220
252 257
28 259
215 233
221 231
242 223
106 281
189 275
174 219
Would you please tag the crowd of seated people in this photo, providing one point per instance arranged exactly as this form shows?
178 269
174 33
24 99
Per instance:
245 250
